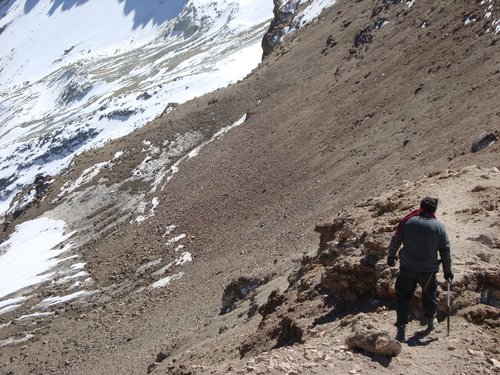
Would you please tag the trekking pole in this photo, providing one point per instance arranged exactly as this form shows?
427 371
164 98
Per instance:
448 317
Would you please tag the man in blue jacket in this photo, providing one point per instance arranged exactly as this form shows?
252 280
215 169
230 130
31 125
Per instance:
423 237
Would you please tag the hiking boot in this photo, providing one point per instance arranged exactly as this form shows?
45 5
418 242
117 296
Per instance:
431 324
400 335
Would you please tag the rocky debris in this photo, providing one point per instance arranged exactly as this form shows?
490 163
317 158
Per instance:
174 369
274 300
366 336
381 22
484 141
236 291
482 314
160 357
385 5
41 183
273 333
288 333
75 91
169 108
491 242
369 223
330 43
418 89
119 114
365 118
363 37
144 96
350 257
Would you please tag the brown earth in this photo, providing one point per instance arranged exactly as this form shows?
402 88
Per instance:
329 127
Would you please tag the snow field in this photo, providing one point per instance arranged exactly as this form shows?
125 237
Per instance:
31 253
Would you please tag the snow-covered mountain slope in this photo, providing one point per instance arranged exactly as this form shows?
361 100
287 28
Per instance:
75 74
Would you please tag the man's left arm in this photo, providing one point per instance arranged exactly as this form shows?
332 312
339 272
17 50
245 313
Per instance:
394 246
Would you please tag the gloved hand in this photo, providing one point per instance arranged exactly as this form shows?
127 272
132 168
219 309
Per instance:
448 276
391 261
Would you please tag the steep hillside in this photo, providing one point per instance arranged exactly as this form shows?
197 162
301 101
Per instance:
223 193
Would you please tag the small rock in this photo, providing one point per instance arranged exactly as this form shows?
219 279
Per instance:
485 140
161 356
485 257
494 362
476 353
478 188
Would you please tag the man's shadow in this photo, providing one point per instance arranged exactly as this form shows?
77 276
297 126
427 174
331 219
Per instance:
421 338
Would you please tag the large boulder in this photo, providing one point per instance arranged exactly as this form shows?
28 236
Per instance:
367 337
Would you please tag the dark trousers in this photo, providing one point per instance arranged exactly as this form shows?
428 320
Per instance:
406 283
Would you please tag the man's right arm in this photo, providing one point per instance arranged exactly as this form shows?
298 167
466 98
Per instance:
394 245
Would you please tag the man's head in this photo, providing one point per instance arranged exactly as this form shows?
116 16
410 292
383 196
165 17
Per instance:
429 204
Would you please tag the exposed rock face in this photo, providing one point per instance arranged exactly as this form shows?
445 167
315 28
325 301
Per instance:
236 291
356 274
284 12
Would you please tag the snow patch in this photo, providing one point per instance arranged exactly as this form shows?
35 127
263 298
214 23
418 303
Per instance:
13 341
176 239
470 18
166 280
118 155
78 266
10 308
184 258
141 218
12 301
77 275
30 253
86 176
35 315
168 230
51 301
312 12
148 265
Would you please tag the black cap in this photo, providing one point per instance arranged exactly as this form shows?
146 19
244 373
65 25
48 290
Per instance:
429 204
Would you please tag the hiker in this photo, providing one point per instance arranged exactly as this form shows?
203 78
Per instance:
422 236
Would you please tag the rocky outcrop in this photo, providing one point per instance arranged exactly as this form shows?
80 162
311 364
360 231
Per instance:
284 13
236 291
351 257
